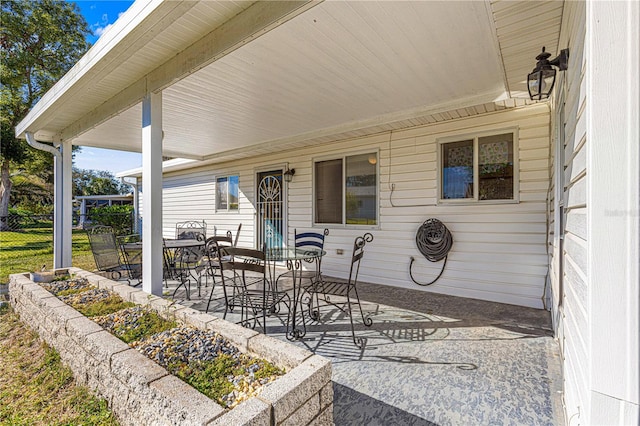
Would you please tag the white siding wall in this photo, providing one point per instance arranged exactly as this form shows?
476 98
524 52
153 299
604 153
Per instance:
499 250
571 309
597 319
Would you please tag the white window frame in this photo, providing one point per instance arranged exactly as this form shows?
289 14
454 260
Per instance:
344 157
475 136
226 176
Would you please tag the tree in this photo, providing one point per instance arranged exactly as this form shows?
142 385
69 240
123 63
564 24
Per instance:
40 41
96 182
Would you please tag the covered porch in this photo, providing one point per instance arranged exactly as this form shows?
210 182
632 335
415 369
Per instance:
218 85
238 89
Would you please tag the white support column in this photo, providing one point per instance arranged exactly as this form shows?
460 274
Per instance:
613 191
67 204
152 189
58 211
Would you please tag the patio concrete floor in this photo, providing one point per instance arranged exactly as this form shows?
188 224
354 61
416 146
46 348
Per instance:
431 359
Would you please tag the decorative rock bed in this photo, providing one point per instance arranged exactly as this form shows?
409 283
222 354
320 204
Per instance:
140 391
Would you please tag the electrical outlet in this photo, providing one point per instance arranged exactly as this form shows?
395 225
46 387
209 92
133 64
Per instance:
339 251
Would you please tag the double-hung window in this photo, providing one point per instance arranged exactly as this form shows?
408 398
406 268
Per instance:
227 193
480 168
346 190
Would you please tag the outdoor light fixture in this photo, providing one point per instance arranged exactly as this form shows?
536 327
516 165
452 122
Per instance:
541 80
288 175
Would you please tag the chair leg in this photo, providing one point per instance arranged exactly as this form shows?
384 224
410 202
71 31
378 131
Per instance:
367 321
360 342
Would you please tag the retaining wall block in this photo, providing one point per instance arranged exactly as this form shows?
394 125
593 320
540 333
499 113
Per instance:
304 414
181 403
252 412
134 369
125 292
199 320
326 395
297 386
235 333
325 418
280 353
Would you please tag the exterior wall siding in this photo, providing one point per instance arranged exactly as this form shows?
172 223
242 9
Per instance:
570 306
499 250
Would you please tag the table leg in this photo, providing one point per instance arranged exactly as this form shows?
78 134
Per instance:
293 332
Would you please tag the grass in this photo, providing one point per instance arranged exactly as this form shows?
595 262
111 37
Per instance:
36 388
28 250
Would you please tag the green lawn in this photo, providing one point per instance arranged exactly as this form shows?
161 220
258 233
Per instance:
27 251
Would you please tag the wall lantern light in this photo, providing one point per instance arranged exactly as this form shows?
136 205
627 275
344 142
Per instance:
288 175
541 80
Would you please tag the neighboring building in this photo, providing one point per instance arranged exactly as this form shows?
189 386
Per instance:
392 113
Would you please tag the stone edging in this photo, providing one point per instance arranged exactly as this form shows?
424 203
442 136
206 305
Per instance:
139 391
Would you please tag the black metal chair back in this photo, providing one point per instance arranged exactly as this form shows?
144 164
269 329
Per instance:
106 253
235 239
326 288
132 255
310 239
196 230
244 283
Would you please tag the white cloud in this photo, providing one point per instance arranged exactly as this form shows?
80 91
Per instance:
101 30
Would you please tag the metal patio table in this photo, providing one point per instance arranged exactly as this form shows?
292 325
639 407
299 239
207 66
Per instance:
294 259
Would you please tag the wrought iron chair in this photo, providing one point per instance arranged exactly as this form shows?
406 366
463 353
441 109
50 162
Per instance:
106 253
235 239
309 240
211 262
191 229
185 263
325 289
132 255
245 285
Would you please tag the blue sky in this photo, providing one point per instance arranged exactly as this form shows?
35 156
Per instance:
100 15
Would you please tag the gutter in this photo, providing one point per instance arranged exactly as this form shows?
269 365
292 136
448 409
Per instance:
41 146
62 203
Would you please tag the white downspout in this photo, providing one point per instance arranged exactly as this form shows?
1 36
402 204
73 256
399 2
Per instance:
136 216
61 235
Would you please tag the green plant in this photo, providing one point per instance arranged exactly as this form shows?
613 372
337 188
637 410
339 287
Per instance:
102 307
120 218
208 377
147 325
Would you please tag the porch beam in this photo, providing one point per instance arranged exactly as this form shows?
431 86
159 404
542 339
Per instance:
152 260
256 20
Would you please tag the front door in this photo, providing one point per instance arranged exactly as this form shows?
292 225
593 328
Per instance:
270 209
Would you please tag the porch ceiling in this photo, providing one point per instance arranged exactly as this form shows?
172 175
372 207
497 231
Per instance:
303 73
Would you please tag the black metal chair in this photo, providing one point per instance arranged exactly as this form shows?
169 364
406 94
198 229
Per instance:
106 252
235 239
325 289
185 263
308 240
191 229
211 262
132 255
245 285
